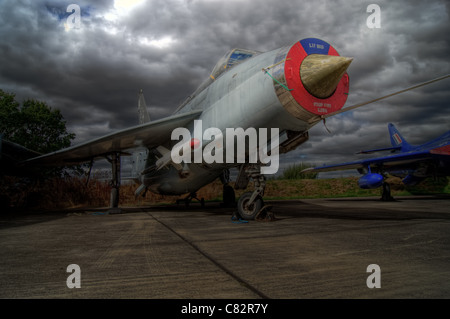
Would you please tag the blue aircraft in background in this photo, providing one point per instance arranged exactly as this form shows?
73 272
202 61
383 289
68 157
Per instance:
410 162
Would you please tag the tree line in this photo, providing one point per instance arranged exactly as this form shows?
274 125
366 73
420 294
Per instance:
34 124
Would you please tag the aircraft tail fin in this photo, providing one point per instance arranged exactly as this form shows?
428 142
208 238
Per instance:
144 117
397 140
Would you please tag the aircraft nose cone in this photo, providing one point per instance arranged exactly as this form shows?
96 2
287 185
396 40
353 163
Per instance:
320 74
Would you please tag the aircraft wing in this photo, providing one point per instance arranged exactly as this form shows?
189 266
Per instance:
150 135
386 162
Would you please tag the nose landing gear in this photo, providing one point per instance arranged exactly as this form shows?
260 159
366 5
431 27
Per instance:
248 208
251 205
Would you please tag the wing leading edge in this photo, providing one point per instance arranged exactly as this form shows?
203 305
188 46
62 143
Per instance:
150 135
385 162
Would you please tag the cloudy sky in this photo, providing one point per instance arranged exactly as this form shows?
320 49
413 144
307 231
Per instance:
93 71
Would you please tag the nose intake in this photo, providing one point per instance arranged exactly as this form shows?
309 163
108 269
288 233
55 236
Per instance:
315 79
321 74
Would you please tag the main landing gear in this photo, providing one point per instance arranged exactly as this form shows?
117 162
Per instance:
188 199
228 195
386 193
114 183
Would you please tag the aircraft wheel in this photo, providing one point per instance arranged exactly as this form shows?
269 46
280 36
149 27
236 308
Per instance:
229 198
386 195
247 211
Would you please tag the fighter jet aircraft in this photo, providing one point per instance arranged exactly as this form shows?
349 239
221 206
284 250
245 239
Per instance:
412 163
285 91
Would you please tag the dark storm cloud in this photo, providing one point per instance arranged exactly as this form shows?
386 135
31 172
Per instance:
168 47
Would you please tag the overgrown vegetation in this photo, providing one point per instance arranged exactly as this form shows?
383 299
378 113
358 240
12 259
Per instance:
63 193
295 172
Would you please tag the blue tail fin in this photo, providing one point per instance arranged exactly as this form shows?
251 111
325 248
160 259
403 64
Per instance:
397 139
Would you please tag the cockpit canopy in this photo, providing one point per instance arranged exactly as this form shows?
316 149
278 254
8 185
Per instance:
232 58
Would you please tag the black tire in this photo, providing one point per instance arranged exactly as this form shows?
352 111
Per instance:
229 198
249 212
386 194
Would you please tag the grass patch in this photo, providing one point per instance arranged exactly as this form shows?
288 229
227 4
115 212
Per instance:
74 192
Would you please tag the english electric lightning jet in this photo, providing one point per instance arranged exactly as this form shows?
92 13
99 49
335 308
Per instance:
412 163
289 89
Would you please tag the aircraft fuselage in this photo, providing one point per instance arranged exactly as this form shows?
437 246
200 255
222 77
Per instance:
264 91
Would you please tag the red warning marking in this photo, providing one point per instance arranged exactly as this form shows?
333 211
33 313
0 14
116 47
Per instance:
315 105
444 150
194 143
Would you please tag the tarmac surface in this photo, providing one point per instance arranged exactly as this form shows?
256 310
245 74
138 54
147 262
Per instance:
314 249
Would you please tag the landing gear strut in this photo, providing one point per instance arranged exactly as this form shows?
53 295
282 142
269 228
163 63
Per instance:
115 183
229 197
386 194
188 199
